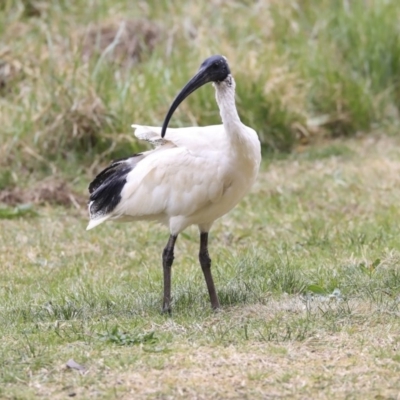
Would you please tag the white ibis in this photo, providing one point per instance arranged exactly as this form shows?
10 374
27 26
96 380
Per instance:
193 176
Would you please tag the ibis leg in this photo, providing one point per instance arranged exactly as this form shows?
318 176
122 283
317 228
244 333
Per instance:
168 259
205 262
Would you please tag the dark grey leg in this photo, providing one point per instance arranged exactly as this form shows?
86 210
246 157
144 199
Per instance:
205 262
168 259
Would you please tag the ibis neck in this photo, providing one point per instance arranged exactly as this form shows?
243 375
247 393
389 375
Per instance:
236 133
225 95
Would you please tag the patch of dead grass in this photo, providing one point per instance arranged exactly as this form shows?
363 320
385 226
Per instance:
82 120
50 191
122 41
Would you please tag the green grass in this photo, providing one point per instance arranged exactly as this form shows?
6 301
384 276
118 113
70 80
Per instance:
321 218
315 222
303 69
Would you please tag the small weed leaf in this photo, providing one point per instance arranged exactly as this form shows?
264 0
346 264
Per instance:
128 339
376 263
370 268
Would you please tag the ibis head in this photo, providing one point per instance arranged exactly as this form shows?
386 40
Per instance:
213 69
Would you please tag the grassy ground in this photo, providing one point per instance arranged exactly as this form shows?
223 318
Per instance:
75 75
318 220
307 267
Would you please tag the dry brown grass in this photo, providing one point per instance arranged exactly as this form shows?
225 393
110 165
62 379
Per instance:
47 192
82 118
122 41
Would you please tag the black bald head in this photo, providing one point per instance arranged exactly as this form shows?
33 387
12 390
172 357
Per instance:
213 69
216 68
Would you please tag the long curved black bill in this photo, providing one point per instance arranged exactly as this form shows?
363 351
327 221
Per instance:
200 79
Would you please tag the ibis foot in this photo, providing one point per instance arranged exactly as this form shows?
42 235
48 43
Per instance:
166 311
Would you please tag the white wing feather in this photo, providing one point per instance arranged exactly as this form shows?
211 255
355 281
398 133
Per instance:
197 139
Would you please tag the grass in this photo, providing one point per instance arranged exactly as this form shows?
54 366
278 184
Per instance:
318 220
306 267
74 76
